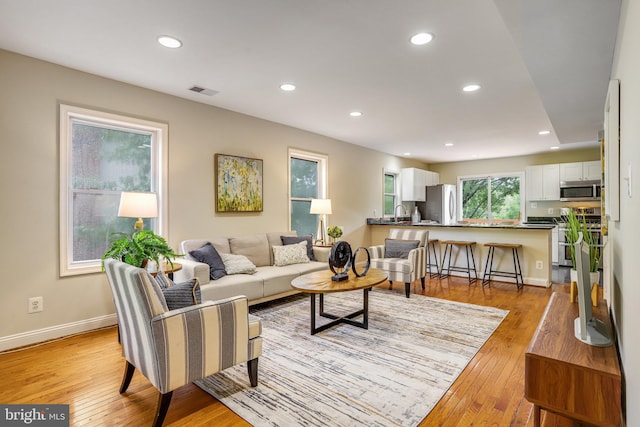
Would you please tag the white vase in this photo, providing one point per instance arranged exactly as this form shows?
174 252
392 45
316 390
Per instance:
415 217
594 276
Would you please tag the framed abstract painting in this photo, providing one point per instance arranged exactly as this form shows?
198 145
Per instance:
238 184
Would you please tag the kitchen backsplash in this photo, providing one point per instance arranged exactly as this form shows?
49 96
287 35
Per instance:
552 208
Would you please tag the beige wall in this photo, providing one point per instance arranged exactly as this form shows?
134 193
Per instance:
31 91
29 169
449 172
625 234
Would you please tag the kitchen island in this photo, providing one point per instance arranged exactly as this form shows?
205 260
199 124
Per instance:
536 241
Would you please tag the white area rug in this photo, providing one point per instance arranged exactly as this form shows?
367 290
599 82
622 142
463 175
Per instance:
392 374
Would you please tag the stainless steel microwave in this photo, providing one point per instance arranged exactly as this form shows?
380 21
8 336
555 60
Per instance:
580 190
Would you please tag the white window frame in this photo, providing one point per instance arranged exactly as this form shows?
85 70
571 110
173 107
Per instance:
397 194
488 176
323 181
159 166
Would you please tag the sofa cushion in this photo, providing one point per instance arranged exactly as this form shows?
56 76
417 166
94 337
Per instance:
255 247
394 248
291 240
220 243
232 285
290 254
275 239
209 255
308 267
277 280
237 264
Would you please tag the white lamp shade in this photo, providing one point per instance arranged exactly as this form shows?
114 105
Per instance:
320 206
138 205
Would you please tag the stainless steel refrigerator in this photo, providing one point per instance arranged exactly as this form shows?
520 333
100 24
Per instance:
440 205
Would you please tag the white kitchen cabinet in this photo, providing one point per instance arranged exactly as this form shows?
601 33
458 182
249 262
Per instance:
533 175
551 182
414 181
592 171
433 178
581 171
543 182
571 171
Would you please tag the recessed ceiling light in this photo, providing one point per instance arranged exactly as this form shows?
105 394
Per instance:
355 113
407 154
555 147
288 87
421 38
471 88
169 41
544 132
448 144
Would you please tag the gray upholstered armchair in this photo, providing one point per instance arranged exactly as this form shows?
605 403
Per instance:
172 348
403 256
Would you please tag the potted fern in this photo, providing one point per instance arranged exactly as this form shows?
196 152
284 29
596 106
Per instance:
140 247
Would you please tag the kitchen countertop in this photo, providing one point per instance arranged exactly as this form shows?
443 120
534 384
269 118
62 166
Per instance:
379 221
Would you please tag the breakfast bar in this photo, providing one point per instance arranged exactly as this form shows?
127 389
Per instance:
536 241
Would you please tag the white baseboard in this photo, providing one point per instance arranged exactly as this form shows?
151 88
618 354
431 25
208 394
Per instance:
527 280
53 332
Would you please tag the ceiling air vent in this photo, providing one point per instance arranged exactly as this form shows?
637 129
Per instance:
203 91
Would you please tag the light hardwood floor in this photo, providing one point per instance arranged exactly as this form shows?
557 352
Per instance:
85 371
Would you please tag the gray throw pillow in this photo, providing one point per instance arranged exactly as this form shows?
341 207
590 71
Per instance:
292 240
394 248
179 295
209 255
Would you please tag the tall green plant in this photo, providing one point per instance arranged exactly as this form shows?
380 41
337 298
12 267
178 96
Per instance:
575 225
140 247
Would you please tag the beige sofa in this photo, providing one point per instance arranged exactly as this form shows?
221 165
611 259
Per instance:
267 283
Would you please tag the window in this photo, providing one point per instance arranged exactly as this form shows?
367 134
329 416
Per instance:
390 192
491 199
102 155
307 180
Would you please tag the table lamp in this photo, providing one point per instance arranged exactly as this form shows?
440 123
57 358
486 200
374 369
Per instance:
321 207
138 205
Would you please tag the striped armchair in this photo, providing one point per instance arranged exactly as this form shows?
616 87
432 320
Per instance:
408 269
172 348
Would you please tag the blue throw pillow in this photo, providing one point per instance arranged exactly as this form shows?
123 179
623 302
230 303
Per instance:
292 240
179 295
209 255
394 248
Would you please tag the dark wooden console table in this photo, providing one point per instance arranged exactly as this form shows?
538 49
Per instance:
570 378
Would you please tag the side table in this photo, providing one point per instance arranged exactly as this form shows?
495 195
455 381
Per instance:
168 270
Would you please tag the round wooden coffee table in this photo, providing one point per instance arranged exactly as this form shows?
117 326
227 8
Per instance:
320 283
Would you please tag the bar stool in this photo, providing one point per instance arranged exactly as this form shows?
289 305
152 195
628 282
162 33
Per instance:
488 268
449 244
431 247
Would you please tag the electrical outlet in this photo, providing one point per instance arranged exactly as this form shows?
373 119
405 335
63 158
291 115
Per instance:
35 305
550 210
534 205
539 265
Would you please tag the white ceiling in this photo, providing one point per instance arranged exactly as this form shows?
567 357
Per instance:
542 64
